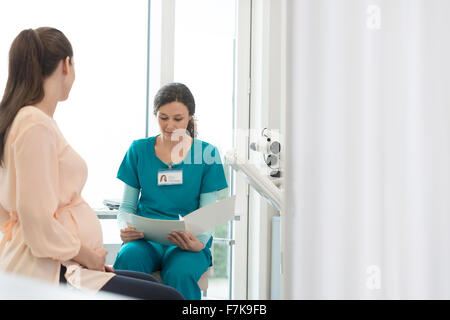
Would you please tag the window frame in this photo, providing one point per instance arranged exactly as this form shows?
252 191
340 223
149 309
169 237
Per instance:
163 42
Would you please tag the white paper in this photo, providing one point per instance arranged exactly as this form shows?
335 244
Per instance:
206 218
196 222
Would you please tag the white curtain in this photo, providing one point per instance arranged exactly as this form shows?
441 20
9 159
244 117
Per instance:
368 150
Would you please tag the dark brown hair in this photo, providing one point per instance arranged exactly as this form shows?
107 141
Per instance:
34 55
176 91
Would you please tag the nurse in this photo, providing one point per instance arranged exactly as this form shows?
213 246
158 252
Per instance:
165 176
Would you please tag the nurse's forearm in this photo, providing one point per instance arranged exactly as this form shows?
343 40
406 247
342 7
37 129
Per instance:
206 199
128 204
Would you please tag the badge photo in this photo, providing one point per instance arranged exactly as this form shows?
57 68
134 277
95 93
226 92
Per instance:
170 177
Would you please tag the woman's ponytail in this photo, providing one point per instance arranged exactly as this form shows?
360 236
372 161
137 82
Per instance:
192 127
34 55
26 59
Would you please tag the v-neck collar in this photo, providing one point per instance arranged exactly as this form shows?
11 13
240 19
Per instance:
173 164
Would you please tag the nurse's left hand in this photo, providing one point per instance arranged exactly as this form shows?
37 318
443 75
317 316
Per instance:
185 241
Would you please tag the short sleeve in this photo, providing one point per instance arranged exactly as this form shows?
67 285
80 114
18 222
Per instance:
213 175
37 190
128 172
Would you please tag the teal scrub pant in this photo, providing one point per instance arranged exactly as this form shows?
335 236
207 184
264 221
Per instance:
179 268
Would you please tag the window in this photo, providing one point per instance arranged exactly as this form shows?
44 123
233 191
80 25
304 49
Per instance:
106 109
204 61
104 112
107 103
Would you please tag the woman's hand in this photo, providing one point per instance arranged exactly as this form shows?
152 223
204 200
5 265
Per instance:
130 234
93 259
108 269
185 241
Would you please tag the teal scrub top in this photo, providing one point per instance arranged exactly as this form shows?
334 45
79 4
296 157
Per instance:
202 173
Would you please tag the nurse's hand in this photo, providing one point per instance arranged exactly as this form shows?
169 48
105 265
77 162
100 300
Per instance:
130 234
185 241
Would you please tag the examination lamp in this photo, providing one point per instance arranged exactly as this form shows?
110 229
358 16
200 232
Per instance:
261 183
268 144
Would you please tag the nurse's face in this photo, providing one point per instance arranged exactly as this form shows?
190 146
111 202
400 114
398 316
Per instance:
173 116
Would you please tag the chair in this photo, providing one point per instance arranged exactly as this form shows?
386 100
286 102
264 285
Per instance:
113 249
202 282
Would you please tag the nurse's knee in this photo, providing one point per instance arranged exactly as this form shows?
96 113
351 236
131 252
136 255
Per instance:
178 272
133 249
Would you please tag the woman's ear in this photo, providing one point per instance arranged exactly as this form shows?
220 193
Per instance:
66 65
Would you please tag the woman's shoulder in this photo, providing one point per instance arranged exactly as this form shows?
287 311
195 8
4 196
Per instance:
210 154
142 144
33 115
30 116
142 141
204 144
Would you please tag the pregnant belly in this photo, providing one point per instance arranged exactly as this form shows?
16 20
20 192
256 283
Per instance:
82 221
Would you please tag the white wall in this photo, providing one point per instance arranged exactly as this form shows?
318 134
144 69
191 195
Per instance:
369 150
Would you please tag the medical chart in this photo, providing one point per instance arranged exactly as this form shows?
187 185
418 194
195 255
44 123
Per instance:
196 222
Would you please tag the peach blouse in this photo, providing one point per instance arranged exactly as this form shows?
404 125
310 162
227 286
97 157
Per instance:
42 214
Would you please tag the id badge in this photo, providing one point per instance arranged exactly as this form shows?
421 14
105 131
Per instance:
170 177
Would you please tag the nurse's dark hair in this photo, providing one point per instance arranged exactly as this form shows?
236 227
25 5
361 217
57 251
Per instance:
176 91
34 56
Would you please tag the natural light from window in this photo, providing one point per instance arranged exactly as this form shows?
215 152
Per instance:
106 109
